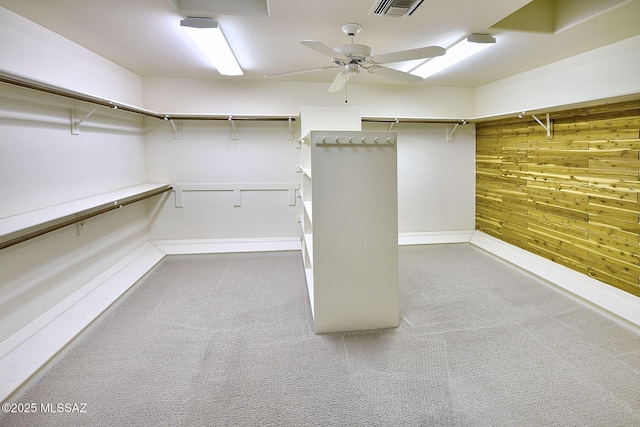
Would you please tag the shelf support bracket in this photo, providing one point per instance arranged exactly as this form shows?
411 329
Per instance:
547 127
234 128
450 134
292 196
177 132
75 124
290 129
179 198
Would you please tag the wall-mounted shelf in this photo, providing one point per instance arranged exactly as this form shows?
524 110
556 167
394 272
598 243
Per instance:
19 228
236 188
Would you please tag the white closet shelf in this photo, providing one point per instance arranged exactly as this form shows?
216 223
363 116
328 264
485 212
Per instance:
308 207
308 241
17 228
306 171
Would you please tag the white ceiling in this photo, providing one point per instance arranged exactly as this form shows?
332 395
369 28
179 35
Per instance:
144 36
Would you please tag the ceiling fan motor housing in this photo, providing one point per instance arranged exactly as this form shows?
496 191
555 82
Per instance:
355 52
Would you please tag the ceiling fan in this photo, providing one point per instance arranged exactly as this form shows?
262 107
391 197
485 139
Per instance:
354 57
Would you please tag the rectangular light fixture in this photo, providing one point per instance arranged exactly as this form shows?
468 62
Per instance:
458 52
207 35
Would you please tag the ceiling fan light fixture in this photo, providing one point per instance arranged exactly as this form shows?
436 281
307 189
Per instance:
460 51
206 34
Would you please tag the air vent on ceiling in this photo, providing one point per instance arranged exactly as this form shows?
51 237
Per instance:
395 8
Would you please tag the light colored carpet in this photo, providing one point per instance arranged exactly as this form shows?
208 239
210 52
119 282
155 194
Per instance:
227 340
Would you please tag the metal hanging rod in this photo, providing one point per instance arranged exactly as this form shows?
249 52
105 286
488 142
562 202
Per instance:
6 77
229 118
78 96
42 87
414 120
103 209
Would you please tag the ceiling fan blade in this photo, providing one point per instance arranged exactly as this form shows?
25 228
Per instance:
407 55
309 70
394 74
341 80
322 48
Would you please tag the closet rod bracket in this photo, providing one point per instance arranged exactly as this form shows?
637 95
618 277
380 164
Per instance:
453 130
289 129
75 124
177 132
546 127
234 128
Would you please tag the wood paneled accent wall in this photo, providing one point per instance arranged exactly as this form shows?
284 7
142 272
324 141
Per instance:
571 198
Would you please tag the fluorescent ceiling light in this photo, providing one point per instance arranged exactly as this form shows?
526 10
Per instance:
458 52
223 7
209 38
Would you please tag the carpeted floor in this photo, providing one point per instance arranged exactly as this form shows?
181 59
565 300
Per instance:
227 340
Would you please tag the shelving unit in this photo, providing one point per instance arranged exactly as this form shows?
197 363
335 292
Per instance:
350 229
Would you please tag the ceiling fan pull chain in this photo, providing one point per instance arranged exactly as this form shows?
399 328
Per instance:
345 89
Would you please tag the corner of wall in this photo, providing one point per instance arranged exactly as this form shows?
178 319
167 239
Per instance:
603 73
614 301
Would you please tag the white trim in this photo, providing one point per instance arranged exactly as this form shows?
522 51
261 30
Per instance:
213 246
613 300
26 351
435 237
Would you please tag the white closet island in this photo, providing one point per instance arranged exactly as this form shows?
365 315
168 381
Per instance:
350 229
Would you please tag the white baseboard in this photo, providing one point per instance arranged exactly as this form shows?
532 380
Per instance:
26 351
213 246
613 300
435 237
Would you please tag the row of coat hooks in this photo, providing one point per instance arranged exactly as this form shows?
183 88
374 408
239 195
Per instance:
351 141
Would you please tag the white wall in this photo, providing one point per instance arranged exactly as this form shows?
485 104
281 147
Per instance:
266 97
608 72
436 178
43 164
206 153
